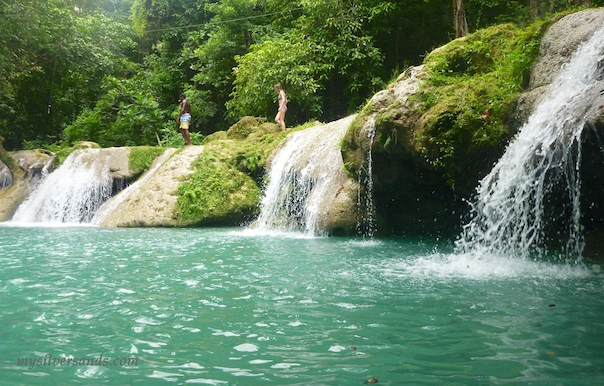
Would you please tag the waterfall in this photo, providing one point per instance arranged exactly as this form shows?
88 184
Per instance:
366 225
302 178
72 193
509 213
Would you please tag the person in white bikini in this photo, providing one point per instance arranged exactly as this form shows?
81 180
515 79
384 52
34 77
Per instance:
184 117
280 117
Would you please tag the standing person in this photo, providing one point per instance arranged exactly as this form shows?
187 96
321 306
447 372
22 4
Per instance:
184 117
280 117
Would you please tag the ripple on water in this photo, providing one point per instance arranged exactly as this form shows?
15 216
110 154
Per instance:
215 307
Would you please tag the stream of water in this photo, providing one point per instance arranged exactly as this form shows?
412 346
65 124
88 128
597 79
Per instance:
224 306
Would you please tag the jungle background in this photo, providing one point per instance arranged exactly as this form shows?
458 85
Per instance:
111 71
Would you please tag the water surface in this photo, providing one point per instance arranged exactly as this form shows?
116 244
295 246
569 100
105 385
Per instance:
228 306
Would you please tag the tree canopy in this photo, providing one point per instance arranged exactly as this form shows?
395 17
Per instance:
111 70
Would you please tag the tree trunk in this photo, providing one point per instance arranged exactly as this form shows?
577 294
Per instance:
461 24
534 7
580 3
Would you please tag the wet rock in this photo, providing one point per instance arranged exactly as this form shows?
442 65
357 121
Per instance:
28 167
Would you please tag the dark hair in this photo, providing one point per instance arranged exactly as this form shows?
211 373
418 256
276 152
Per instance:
183 96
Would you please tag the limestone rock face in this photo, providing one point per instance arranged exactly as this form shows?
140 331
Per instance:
560 42
342 216
557 46
154 203
6 177
28 168
119 163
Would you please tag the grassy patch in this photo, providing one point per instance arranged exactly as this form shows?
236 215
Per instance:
217 191
141 158
470 94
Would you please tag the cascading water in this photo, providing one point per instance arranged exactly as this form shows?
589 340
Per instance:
6 178
509 213
72 193
366 226
301 179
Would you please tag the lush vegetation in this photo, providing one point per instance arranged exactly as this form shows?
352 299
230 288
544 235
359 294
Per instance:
226 185
110 71
462 112
141 158
468 99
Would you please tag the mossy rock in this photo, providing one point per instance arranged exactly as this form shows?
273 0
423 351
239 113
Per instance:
244 127
437 130
225 186
217 193
141 157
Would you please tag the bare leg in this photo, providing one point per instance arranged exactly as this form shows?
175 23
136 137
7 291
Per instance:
280 119
186 136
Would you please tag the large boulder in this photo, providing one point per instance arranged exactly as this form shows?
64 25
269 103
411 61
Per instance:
409 194
153 203
440 127
556 49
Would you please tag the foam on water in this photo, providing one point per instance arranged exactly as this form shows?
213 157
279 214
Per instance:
282 234
485 267
22 224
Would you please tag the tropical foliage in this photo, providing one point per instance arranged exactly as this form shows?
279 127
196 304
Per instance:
111 71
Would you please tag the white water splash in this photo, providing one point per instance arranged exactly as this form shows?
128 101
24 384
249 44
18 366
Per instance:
302 178
509 213
72 193
483 267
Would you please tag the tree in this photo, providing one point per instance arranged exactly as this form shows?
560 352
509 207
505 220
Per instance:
289 59
212 51
53 60
459 13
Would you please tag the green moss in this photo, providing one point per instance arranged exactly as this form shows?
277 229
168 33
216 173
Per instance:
215 189
141 158
244 127
6 159
470 94
462 114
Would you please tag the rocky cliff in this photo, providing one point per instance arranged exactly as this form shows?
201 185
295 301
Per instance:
442 125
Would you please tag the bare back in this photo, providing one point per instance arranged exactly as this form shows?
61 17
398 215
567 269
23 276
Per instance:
186 107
